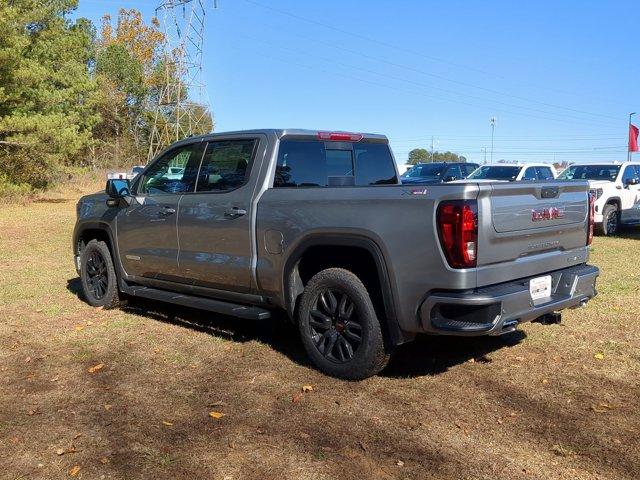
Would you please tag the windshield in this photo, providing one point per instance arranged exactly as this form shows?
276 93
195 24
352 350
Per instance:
590 172
433 170
496 172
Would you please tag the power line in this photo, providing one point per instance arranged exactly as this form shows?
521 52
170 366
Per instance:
420 54
421 93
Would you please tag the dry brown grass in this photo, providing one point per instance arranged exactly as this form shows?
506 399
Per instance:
536 404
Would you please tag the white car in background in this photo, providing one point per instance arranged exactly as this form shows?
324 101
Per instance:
514 172
616 188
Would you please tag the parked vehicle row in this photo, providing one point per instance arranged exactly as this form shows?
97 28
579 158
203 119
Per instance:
429 173
318 225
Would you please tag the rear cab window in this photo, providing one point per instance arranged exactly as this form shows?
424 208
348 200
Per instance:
312 163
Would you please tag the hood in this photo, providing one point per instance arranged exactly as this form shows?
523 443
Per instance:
599 183
419 181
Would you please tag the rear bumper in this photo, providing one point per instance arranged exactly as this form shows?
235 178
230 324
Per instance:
498 309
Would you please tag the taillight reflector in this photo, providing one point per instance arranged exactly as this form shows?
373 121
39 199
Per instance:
592 218
458 232
340 136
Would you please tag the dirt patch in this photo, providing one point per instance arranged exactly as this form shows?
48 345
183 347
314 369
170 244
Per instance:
557 401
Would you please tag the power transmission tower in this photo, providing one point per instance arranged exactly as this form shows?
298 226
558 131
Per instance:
183 105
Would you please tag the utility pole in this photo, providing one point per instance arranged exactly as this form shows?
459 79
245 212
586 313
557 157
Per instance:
493 127
629 143
432 148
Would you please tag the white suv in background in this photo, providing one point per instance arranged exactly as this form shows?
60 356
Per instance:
514 172
616 187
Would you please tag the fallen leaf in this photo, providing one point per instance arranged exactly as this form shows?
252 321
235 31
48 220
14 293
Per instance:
599 356
60 451
400 463
77 436
216 415
107 407
296 398
168 424
27 360
544 380
95 368
74 471
79 328
104 460
363 446
232 444
307 388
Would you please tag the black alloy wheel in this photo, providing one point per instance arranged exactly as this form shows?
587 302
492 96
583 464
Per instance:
97 275
336 329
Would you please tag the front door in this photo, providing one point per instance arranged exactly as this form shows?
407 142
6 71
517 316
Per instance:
147 230
214 223
630 195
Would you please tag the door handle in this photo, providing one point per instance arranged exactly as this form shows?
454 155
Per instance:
234 212
167 211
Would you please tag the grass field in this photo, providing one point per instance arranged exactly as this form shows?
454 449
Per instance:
548 402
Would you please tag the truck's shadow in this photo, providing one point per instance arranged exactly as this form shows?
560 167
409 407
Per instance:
427 355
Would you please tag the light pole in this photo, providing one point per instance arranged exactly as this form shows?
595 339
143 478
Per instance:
493 127
629 143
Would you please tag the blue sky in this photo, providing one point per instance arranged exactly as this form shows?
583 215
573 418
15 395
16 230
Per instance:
560 77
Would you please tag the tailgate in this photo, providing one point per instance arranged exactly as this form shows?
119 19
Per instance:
527 228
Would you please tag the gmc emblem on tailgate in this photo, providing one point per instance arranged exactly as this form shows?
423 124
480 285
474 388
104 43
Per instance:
551 213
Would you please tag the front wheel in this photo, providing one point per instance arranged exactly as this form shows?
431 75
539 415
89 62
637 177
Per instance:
98 275
339 327
610 220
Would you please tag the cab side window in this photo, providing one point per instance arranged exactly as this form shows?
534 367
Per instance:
630 172
453 172
530 174
544 173
226 165
174 172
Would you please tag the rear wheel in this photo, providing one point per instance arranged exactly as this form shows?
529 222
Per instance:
98 275
339 327
610 220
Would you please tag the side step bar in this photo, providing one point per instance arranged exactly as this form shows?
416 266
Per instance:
218 306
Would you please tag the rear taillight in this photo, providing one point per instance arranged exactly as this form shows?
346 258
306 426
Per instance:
592 218
458 231
340 136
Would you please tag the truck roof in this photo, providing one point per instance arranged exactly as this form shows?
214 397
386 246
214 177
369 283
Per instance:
292 132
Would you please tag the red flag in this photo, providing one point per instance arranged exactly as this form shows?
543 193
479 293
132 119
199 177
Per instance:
633 138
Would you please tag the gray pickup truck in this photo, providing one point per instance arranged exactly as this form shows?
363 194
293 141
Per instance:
317 224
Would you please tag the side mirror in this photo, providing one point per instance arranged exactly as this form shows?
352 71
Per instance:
631 181
117 189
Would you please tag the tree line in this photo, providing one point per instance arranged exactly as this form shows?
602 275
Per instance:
422 155
75 95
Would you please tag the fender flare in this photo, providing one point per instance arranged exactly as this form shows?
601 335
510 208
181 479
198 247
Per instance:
291 290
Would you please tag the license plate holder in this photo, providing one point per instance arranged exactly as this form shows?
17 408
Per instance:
540 288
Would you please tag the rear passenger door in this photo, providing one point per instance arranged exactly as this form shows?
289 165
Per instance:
214 222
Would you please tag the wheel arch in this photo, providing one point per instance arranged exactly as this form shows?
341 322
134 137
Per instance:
363 247
88 231
616 201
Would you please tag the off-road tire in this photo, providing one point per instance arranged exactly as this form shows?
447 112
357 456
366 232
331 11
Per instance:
91 268
610 220
369 357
